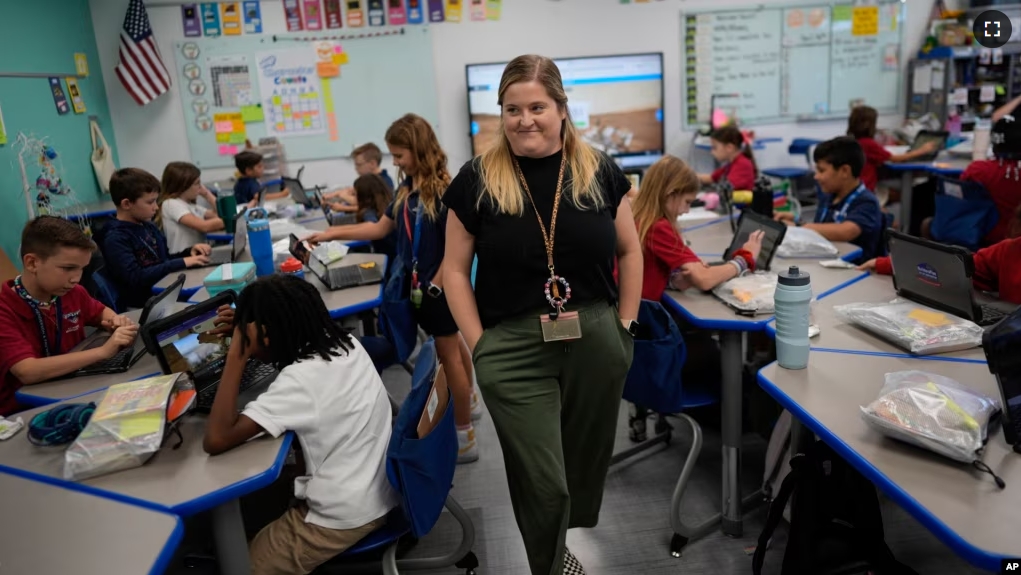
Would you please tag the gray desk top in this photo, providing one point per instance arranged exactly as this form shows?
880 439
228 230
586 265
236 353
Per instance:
711 313
183 481
962 506
94 534
836 333
713 240
61 389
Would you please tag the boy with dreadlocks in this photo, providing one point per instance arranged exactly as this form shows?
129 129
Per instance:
329 394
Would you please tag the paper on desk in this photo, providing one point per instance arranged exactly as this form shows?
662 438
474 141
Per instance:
922 83
697 214
988 93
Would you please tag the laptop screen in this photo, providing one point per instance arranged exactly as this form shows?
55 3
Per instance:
932 274
773 236
185 347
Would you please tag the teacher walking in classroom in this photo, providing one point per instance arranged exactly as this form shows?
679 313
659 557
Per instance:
550 332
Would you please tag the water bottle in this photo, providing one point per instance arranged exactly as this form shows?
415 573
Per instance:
260 245
792 299
292 266
980 141
227 207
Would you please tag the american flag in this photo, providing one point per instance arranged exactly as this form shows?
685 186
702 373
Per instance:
140 67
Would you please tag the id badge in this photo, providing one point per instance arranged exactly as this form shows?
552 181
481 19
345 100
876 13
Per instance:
565 328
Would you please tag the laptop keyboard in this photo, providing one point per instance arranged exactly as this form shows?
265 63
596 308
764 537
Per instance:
991 315
255 373
346 276
119 360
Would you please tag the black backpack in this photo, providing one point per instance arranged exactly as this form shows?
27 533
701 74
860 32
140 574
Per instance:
836 524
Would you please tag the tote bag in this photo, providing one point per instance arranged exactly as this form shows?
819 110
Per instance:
396 319
102 158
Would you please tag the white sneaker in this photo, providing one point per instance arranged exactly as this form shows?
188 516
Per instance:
467 447
476 405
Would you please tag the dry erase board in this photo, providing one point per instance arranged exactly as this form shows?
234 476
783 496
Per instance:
784 63
321 97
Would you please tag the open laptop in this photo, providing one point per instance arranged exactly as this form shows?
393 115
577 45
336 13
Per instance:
158 307
926 136
229 253
181 345
940 276
773 235
352 270
334 218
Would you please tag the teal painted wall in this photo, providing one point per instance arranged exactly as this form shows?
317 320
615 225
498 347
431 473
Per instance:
43 36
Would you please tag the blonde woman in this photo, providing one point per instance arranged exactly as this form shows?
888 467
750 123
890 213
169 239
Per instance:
550 331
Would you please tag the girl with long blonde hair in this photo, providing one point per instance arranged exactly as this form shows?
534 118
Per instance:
423 177
184 222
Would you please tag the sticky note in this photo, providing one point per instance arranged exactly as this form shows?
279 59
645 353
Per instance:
223 137
252 113
327 70
865 20
999 90
277 100
842 12
340 59
929 318
237 138
227 150
140 425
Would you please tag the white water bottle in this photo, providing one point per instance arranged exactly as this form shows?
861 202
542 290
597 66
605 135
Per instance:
792 301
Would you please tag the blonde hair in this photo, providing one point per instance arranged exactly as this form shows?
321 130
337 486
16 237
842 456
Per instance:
414 133
669 176
177 178
499 179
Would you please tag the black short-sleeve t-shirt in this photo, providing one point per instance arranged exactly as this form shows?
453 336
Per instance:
512 272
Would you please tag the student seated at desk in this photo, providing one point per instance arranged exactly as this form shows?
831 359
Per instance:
996 267
248 188
184 222
847 210
367 159
373 196
135 251
44 311
729 147
861 125
329 394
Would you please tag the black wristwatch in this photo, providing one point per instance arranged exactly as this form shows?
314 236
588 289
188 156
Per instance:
632 328
434 291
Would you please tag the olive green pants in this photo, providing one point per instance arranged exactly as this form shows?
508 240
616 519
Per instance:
555 408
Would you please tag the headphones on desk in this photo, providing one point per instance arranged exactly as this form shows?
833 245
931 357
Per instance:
60 425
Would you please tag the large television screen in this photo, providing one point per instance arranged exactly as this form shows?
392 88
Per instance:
616 102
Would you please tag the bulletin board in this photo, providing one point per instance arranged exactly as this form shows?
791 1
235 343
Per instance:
321 97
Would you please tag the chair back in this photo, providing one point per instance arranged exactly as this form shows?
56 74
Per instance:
654 381
421 469
965 213
104 291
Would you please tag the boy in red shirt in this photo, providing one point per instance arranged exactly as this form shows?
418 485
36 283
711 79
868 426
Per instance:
861 125
728 147
44 311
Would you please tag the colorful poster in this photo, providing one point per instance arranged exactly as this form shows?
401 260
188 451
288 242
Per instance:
230 15
493 9
59 99
355 14
435 10
313 12
478 10
415 13
76 96
454 8
292 13
210 19
191 21
376 13
81 64
253 17
333 16
290 91
395 14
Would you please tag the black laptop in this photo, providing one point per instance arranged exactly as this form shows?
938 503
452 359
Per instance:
940 276
181 345
335 218
926 136
158 307
773 234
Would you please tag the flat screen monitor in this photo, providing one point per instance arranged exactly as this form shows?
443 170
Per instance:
616 102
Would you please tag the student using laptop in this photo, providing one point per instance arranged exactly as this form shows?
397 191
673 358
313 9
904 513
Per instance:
135 251
184 221
848 211
861 125
329 393
368 160
996 267
44 311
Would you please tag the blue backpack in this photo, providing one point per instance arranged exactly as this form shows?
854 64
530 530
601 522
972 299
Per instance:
965 213
654 381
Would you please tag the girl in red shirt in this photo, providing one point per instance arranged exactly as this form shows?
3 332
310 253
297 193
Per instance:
728 146
996 267
1002 176
861 125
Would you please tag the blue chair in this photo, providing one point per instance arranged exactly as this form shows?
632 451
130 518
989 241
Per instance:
421 471
654 382
103 290
965 213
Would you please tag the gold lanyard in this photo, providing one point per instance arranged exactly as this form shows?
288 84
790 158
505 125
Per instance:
554 282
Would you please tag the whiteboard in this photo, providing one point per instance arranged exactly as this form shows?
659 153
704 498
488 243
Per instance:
388 73
785 63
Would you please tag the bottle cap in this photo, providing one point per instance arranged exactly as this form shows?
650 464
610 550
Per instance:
290 265
794 277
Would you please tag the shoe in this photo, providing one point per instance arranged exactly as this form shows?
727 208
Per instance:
476 405
571 564
636 424
467 447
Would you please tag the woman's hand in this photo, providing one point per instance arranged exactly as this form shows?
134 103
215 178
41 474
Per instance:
201 250
869 266
754 243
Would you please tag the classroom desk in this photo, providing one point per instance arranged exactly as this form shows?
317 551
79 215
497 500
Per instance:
67 388
182 481
944 165
708 240
101 209
961 506
342 302
836 334
704 311
93 534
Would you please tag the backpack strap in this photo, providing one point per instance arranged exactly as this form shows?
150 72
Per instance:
776 510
